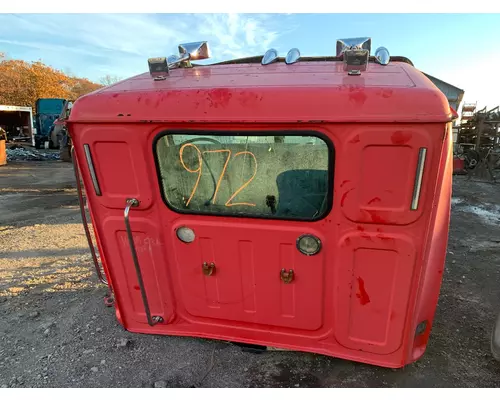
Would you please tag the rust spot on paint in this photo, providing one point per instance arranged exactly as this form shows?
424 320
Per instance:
362 295
344 197
355 139
374 200
116 95
400 137
249 99
219 97
344 182
357 95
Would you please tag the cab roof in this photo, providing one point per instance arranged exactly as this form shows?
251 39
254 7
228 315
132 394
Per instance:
312 90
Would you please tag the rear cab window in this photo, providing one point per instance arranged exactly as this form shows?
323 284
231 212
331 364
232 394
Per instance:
275 175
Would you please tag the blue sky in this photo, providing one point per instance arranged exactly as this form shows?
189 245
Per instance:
452 47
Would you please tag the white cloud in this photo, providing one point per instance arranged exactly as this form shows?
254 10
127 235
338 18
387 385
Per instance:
89 43
51 47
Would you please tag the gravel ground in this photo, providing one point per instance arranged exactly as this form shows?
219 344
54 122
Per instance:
56 332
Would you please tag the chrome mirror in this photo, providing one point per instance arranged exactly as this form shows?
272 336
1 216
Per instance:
270 56
194 51
173 59
292 56
353 44
382 56
355 53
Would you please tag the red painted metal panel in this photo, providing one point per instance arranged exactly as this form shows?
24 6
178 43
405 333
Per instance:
374 286
382 162
321 91
378 273
246 285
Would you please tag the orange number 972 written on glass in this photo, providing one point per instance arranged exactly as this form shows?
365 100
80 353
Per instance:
199 171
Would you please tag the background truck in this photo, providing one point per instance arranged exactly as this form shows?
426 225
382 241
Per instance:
17 122
59 133
47 112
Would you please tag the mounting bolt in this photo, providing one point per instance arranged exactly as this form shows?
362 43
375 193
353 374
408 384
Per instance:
421 328
133 202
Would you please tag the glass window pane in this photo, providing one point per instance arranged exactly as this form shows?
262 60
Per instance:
276 176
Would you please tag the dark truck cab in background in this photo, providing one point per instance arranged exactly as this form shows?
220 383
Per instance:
47 112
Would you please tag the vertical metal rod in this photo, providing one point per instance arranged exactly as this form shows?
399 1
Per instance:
151 320
418 178
100 275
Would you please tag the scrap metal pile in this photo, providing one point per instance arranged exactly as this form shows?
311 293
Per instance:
479 141
21 153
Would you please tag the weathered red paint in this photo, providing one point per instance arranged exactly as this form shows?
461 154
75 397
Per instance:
399 137
363 295
355 139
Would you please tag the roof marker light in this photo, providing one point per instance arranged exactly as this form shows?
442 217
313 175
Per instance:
382 56
292 56
270 56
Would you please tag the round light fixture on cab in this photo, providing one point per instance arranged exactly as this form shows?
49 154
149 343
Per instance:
185 234
309 245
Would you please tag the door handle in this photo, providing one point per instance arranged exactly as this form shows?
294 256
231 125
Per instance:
152 320
287 277
208 268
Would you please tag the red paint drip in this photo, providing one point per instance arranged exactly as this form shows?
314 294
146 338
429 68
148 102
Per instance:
375 218
343 197
381 236
366 236
362 295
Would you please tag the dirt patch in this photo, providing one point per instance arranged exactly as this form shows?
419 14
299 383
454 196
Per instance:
55 330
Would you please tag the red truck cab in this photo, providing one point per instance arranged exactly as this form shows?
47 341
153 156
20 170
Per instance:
299 202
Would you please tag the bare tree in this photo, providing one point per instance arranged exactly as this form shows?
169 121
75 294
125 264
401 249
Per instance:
109 80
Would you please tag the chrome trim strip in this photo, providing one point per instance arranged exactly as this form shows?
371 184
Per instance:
418 178
90 164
